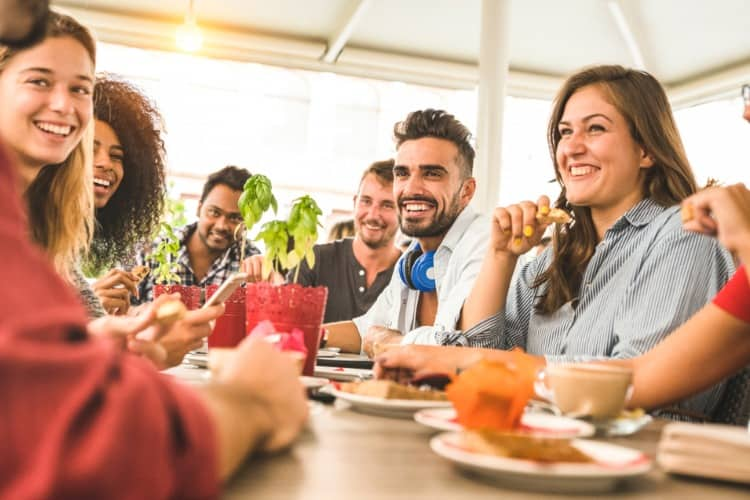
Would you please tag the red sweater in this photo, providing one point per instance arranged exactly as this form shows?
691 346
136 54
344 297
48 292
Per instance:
79 418
734 298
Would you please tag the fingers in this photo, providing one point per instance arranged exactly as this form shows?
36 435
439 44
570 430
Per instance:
117 278
114 300
204 314
253 266
151 350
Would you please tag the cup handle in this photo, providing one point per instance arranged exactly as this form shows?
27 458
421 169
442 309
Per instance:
540 387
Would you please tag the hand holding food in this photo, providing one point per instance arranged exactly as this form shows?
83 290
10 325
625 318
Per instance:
516 229
114 290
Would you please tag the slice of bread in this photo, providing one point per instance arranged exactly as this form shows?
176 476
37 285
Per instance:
140 272
555 215
513 445
388 389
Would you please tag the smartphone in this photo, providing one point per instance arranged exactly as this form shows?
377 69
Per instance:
226 289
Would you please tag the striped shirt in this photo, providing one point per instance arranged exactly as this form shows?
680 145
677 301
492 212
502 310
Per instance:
647 276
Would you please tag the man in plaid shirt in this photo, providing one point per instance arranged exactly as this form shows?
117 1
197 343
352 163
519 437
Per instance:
208 252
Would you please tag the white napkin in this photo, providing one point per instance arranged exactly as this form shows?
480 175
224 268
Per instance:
706 450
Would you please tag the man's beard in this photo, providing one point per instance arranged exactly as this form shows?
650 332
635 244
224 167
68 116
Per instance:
375 243
439 225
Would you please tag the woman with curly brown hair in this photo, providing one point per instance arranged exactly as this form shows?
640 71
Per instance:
128 186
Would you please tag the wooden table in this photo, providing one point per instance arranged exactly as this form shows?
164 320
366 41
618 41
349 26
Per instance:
345 454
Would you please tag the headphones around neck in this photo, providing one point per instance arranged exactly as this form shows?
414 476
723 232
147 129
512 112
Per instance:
416 269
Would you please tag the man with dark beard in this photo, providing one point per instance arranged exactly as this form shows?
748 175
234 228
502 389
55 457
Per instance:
208 252
433 186
356 270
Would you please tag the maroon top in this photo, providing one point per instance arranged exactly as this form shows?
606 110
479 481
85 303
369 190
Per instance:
81 419
734 298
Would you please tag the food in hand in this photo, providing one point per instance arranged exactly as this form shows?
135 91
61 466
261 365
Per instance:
555 215
140 272
389 389
169 312
525 447
686 211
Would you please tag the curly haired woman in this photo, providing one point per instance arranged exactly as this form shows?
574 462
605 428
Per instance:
129 184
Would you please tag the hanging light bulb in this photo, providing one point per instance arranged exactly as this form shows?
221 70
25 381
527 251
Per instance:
188 36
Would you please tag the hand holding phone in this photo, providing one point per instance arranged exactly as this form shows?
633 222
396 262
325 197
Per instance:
226 289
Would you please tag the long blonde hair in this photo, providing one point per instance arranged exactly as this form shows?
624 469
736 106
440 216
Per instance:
641 100
61 197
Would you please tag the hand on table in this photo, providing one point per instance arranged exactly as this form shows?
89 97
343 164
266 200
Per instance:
379 335
114 290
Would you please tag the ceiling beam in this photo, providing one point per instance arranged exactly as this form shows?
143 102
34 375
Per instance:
625 20
337 42
710 87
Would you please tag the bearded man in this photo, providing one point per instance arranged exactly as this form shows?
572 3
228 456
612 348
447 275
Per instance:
432 186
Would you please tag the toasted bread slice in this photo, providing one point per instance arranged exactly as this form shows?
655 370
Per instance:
388 389
140 272
555 215
512 445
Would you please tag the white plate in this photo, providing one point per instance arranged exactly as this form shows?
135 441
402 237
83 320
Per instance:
612 464
398 408
327 354
342 374
536 424
312 383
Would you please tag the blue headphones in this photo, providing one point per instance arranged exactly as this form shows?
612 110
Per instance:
416 269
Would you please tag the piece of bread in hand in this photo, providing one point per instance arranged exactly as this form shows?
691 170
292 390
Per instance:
388 389
686 212
140 272
169 312
555 215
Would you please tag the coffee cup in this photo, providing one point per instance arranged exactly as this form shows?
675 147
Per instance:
599 391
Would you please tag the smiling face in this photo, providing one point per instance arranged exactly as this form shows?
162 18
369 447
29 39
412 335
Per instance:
375 219
218 217
108 163
600 164
429 191
45 97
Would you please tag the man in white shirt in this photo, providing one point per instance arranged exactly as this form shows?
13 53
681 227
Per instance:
433 186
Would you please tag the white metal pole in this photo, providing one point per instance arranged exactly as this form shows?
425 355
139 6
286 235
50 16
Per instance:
494 54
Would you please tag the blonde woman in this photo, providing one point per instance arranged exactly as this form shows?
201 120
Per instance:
45 95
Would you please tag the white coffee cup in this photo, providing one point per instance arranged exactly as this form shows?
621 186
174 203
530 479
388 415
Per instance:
599 391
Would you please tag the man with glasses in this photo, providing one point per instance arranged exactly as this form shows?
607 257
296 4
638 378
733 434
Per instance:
208 251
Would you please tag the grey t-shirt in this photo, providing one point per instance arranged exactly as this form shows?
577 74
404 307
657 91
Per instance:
337 269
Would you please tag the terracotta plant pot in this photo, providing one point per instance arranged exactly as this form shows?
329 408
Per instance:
288 307
230 326
190 295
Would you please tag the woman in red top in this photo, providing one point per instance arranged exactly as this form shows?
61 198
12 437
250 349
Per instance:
716 340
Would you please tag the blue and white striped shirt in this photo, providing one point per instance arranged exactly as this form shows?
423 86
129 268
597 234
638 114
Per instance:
646 277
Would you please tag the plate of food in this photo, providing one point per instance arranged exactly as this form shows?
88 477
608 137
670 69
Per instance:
541 464
532 423
389 399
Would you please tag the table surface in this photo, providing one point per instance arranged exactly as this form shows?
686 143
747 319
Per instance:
343 454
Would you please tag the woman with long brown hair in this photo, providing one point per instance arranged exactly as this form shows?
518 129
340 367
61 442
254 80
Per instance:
622 273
